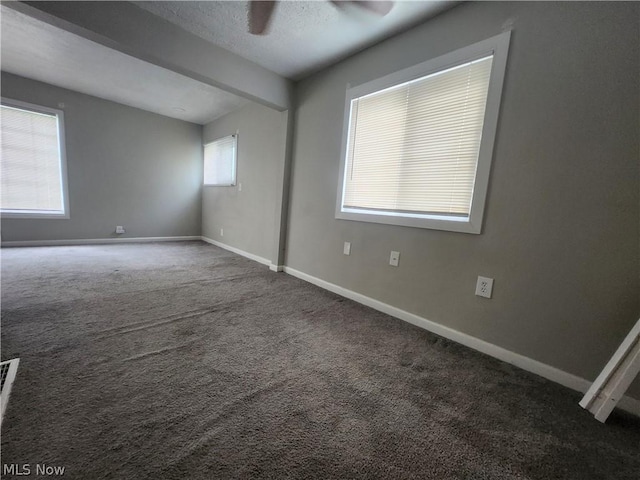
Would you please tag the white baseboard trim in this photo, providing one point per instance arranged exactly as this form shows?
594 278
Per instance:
95 241
250 256
547 371
276 268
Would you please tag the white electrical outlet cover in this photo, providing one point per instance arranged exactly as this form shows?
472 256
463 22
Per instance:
347 248
484 287
394 259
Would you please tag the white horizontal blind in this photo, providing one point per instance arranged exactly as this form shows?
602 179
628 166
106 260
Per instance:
30 169
220 161
413 148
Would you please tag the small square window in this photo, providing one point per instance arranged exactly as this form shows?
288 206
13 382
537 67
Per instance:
32 166
220 158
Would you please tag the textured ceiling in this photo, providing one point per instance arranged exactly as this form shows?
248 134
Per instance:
303 36
37 50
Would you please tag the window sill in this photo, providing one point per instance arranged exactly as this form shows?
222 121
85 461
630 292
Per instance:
33 215
450 224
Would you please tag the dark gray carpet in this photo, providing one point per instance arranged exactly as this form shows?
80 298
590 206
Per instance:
184 361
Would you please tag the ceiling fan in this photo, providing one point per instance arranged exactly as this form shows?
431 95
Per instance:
260 11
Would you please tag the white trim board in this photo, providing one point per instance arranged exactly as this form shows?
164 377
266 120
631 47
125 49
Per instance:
250 256
8 382
96 241
547 371
617 375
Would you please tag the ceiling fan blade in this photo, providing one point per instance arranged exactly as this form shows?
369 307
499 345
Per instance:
259 16
379 7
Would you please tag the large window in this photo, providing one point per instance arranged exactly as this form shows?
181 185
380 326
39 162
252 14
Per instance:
220 162
418 143
32 165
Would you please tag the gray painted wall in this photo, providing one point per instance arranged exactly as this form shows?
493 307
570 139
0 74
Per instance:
125 167
561 231
248 216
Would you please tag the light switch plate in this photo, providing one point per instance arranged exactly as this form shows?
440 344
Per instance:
347 248
394 259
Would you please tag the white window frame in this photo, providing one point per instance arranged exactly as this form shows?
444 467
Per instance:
235 161
498 46
62 154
